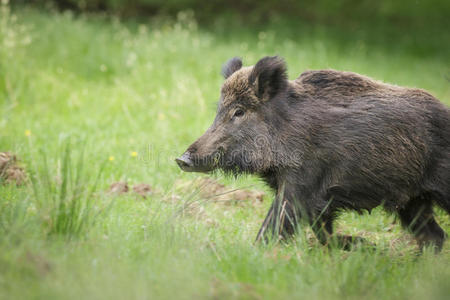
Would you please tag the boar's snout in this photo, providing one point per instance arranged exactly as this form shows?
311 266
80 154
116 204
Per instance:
185 162
204 154
190 162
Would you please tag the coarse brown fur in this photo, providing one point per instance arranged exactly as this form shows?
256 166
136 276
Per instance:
330 141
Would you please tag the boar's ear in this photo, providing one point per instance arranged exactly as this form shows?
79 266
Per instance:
231 66
268 77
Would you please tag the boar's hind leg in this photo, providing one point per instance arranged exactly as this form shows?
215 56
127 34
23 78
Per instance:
323 230
321 223
417 216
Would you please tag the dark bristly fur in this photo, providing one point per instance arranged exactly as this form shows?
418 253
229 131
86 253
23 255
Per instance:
332 141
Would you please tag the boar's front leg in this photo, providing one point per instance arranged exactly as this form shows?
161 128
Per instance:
281 220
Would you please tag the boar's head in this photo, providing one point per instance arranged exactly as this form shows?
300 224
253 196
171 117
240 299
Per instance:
242 138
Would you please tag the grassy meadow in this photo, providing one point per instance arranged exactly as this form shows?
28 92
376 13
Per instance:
90 100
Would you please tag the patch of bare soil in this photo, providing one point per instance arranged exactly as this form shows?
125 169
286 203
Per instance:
403 243
193 195
143 189
118 188
121 187
10 171
210 189
41 265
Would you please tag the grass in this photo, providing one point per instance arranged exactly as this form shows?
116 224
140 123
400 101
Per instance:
130 97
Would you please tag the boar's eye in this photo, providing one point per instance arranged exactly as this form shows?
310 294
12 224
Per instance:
238 113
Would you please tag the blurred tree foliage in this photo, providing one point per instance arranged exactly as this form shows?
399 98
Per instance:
331 11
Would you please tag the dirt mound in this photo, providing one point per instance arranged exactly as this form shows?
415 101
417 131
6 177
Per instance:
142 189
209 188
10 171
121 187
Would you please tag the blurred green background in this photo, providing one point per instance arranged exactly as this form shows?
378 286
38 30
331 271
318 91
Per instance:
98 92
421 11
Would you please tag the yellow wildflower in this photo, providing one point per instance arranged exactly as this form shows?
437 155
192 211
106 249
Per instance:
161 116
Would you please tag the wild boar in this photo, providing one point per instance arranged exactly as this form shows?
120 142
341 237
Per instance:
330 141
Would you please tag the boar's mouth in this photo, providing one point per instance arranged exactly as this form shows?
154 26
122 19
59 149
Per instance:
193 163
